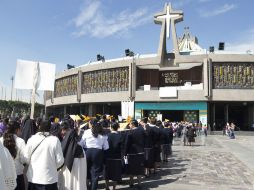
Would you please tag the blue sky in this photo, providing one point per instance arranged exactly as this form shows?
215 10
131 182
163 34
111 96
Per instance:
74 31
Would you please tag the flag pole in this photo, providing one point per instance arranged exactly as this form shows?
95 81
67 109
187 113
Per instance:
33 96
32 103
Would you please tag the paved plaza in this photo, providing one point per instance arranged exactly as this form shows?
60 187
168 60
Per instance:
213 162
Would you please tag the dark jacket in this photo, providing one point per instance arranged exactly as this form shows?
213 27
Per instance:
135 141
115 144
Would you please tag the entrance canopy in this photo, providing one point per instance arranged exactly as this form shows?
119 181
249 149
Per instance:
171 106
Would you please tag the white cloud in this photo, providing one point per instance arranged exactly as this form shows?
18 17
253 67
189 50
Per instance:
180 3
87 14
204 1
242 44
92 21
220 10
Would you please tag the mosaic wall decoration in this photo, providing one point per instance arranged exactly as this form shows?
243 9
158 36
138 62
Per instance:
233 75
48 95
191 116
66 86
153 113
110 80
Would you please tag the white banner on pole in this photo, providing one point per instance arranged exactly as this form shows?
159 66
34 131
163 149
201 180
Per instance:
24 74
127 108
47 74
25 71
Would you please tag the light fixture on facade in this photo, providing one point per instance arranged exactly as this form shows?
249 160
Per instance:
100 58
221 45
70 66
211 49
129 53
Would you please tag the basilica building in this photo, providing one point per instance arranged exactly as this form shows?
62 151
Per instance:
187 83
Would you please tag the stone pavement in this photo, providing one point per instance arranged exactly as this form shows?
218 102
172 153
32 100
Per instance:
212 163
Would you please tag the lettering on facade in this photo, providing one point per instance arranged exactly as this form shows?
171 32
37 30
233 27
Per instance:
110 80
170 78
232 75
66 86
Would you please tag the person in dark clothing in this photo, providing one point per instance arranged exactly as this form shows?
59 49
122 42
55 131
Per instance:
149 151
55 130
71 148
74 170
28 128
134 150
157 144
113 165
191 132
105 125
64 129
38 122
166 142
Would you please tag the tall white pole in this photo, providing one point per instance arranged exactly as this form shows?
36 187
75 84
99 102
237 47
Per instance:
32 103
12 78
36 75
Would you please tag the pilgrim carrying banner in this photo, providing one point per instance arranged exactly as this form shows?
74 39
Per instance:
26 72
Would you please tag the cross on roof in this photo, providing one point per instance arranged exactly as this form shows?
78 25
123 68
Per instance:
168 16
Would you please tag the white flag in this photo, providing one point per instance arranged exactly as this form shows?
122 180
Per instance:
25 75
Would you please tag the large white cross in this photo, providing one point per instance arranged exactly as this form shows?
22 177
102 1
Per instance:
168 16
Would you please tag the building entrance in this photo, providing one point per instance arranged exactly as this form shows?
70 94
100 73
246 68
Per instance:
174 111
174 115
171 115
239 113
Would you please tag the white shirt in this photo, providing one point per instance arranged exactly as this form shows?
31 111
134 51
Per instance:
19 160
7 170
89 141
45 160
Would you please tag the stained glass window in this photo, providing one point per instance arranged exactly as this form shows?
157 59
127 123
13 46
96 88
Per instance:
66 86
233 75
109 80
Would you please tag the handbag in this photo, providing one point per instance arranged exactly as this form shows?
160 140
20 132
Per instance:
36 148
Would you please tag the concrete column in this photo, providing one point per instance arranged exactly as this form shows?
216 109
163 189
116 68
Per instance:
226 112
65 110
46 112
210 78
91 110
52 97
214 112
162 50
130 80
251 117
134 70
79 86
80 110
206 78
174 38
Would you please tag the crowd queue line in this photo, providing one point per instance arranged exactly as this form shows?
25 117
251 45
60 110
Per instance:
62 155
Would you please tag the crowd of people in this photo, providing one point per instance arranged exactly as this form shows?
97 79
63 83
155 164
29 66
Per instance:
228 130
188 131
75 154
